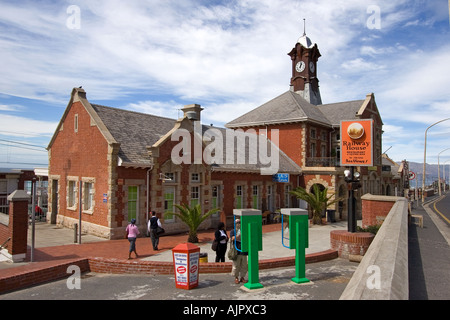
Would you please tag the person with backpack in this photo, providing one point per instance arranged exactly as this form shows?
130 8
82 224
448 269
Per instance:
152 227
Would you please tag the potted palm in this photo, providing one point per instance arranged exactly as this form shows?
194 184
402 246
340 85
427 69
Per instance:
192 217
317 200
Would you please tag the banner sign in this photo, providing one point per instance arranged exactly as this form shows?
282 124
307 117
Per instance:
356 143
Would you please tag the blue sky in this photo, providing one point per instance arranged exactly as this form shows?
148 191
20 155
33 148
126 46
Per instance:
228 56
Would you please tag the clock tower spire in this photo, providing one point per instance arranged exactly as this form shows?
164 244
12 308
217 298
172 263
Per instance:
304 80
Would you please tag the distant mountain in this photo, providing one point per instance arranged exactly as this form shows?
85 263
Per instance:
431 171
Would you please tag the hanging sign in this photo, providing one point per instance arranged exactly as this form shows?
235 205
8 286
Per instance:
356 143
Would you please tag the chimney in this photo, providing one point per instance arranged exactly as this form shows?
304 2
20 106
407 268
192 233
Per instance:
192 111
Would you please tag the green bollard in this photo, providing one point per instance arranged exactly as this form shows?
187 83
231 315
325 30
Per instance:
298 240
251 242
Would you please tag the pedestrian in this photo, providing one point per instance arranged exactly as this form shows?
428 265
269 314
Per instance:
152 227
132 233
222 238
240 265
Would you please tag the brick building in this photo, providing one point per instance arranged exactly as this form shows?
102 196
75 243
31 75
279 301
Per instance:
127 163
123 164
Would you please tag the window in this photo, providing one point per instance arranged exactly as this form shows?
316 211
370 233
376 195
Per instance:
313 149
255 197
170 176
323 150
88 196
195 196
169 200
195 177
28 186
238 197
313 133
3 186
132 202
287 203
71 194
216 201
324 136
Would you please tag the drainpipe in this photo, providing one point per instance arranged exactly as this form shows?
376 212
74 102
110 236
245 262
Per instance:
148 198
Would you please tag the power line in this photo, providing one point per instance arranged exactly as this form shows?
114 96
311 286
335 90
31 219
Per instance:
25 163
4 144
23 143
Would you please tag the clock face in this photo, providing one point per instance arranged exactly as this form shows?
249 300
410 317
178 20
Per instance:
311 66
300 66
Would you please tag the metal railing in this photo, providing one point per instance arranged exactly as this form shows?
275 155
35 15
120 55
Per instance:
4 204
3 245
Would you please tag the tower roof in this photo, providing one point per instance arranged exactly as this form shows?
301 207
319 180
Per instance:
305 41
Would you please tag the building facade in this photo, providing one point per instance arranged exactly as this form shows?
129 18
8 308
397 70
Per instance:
108 165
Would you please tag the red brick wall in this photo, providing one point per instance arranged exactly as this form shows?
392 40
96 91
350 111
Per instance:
350 243
18 226
230 180
371 209
82 154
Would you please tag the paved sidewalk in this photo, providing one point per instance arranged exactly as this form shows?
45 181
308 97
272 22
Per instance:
53 243
429 257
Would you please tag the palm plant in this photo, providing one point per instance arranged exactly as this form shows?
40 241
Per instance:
192 217
317 200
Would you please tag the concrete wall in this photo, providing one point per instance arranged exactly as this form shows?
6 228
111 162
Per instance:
383 272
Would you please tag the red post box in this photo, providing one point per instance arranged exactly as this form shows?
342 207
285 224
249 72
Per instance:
185 261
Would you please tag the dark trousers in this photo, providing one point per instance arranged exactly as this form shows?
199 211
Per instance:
155 239
220 252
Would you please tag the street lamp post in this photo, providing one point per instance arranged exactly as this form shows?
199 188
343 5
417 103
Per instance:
425 157
444 173
439 171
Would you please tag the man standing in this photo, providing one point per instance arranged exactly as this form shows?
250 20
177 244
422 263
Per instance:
152 227
240 265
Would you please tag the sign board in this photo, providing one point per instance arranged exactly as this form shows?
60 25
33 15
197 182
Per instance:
181 276
281 177
412 175
356 143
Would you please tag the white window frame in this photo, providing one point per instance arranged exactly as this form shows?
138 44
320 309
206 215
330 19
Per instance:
72 193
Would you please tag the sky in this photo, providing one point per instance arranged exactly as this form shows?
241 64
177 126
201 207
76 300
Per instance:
228 56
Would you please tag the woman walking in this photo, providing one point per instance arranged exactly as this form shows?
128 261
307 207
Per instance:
222 239
132 233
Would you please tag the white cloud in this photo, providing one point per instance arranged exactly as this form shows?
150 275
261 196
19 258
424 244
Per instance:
26 127
230 57
169 109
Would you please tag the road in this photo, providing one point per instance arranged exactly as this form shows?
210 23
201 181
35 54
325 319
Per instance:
442 208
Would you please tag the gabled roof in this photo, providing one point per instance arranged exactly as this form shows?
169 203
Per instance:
335 112
287 107
134 131
291 107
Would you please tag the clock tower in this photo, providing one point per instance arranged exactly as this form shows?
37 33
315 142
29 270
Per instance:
304 80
